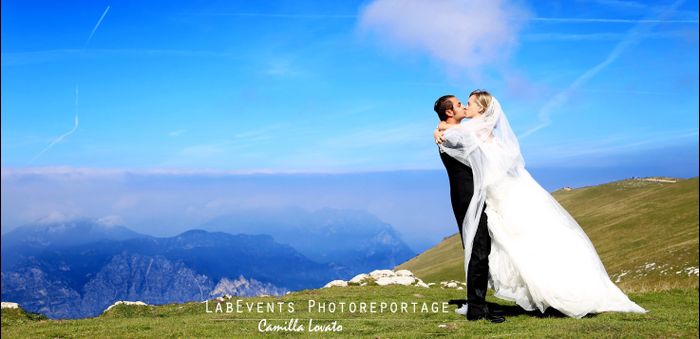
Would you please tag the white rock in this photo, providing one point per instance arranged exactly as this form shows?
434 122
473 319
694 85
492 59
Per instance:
383 281
9 305
141 303
422 284
338 283
460 288
406 281
359 278
431 284
396 281
404 273
376 274
452 284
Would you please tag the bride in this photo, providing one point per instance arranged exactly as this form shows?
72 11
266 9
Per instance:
540 257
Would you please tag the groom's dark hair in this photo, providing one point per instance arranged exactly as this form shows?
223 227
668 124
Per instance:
442 104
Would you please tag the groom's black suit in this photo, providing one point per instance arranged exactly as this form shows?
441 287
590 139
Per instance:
461 192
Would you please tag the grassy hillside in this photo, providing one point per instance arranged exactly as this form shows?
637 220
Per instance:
645 232
672 313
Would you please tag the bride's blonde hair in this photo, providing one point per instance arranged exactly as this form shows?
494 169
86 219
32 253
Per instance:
483 98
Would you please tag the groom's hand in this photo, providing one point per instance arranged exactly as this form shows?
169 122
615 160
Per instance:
439 136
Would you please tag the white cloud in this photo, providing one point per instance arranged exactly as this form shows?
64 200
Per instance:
276 15
282 68
177 133
78 173
468 34
390 135
54 217
623 5
587 148
44 56
110 220
202 151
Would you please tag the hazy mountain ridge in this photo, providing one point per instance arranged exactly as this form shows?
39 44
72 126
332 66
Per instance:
70 232
78 276
66 281
352 241
33 238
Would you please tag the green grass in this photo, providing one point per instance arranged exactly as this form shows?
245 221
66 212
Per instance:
632 224
18 316
673 313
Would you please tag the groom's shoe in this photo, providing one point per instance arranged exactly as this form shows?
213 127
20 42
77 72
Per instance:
478 313
496 319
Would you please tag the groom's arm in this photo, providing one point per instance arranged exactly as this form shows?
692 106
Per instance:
457 145
439 133
439 136
453 140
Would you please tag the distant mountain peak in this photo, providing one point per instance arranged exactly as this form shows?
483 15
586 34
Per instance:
76 231
243 287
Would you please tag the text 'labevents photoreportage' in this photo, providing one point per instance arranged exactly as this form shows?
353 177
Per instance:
240 306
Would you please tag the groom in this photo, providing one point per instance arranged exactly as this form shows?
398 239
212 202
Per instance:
450 110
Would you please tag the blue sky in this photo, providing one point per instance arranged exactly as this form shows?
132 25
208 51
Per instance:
159 114
295 86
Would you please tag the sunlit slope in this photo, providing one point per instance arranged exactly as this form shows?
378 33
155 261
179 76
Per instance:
646 233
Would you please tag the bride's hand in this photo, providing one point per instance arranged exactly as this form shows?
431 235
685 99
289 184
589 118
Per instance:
442 126
439 136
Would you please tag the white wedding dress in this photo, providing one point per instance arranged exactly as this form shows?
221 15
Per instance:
540 257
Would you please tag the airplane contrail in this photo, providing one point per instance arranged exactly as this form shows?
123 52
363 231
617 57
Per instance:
76 120
621 21
97 25
632 37
76 123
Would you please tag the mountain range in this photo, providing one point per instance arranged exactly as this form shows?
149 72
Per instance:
78 268
352 241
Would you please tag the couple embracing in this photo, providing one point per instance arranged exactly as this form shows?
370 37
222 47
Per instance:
517 238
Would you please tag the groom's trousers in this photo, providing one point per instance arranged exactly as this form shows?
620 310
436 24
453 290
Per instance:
461 192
